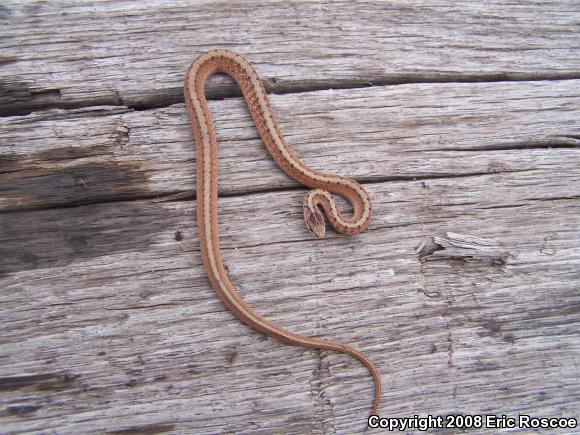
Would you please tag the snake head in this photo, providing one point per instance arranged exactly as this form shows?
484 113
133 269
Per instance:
314 221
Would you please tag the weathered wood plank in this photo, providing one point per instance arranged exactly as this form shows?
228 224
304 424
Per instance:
110 324
464 291
416 130
57 54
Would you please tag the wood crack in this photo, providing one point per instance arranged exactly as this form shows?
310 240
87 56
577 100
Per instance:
324 412
190 195
174 96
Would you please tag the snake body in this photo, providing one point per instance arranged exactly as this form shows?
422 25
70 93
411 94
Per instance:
234 65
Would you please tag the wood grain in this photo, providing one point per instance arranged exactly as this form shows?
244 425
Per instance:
382 133
461 120
110 323
135 53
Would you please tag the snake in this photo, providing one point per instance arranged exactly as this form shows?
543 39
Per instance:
316 201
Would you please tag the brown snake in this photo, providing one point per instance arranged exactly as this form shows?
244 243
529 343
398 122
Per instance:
234 65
